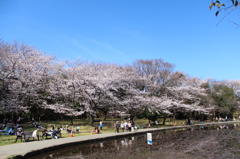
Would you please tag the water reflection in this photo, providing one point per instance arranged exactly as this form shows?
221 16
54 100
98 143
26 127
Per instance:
216 141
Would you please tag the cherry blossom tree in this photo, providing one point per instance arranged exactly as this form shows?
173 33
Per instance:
189 93
175 91
157 76
65 89
126 87
27 73
87 88
36 83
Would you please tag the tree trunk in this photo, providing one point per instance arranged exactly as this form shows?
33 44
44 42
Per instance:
214 116
39 119
40 114
71 120
91 121
12 117
133 117
164 119
104 115
174 116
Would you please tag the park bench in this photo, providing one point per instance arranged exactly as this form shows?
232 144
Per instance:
26 136
46 135
57 134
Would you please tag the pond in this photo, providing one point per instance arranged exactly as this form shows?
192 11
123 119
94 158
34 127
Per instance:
213 141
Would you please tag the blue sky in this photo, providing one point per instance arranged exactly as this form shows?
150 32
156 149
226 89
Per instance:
120 31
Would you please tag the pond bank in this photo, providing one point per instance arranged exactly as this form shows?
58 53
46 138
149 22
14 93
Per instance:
29 149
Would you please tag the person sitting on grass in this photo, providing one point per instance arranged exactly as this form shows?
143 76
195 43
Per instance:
11 131
97 131
69 130
39 125
60 127
5 129
93 130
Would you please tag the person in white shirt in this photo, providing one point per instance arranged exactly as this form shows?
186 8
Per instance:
35 134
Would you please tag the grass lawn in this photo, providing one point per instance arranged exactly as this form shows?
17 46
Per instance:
85 128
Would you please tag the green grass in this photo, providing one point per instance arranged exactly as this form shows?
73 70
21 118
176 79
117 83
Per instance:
85 128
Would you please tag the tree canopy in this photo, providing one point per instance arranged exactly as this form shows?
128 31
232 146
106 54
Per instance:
38 85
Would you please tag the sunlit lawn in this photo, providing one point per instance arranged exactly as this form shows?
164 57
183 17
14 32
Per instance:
85 128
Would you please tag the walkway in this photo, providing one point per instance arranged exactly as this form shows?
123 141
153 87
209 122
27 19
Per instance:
28 149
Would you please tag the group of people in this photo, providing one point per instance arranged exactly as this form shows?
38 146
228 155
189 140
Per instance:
95 130
8 129
124 126
189 121
54 134
221 119
36 125
14 121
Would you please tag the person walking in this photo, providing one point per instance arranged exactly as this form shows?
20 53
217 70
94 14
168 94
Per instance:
117 126
129 126
122 126
126 126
